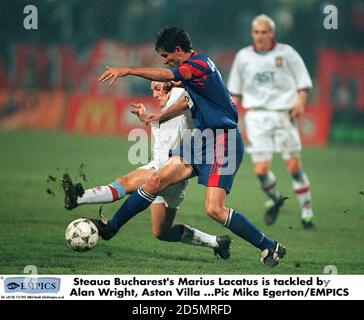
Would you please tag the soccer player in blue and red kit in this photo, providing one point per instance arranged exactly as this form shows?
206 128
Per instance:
213 154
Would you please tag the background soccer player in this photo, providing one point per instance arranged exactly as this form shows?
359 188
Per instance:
163 210
213 109
272 80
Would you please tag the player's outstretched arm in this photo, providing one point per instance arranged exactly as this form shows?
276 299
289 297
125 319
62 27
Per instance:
156 74
173 111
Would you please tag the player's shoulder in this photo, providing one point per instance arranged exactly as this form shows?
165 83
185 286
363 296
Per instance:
199 59
245 53
177 91
285 48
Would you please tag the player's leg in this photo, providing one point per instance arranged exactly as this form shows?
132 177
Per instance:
289 142
174 171
118 189
164 210
260 126
272 251
162 223
218 182
266 177
74 195
302 189
268 182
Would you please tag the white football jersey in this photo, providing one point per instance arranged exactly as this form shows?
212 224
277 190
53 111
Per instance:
169 134
268 80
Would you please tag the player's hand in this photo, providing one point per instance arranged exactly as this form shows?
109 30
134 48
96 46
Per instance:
113 74
297 110
138 109
140 112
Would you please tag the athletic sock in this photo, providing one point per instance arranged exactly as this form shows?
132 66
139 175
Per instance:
268 184
301 186
102 194
136 202
186 234
243 228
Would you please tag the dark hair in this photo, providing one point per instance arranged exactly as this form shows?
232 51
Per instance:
170 37
167 86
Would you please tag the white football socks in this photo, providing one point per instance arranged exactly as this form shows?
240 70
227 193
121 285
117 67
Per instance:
102 194
301 187
268 183
198 238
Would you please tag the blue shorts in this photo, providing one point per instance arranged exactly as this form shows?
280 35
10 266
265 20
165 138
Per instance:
215 157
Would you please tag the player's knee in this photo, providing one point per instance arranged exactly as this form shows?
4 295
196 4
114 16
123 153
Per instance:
123 181
215 212
293 166
261 169
155 183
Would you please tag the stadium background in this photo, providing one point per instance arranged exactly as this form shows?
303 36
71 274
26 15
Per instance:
54 117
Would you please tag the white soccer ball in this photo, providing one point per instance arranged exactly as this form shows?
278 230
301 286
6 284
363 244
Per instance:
82 234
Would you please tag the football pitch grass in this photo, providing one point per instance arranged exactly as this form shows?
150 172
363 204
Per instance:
33 220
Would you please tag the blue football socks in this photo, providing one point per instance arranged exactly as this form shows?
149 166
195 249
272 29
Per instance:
137 202
176 233
243 228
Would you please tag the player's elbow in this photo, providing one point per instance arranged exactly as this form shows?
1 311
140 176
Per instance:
167 75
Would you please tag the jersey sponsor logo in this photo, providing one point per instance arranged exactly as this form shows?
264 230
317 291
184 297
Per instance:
264 77
279 62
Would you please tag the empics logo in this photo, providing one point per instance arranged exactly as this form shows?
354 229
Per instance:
32 285
12 285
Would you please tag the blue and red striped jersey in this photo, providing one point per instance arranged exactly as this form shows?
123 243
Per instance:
213 106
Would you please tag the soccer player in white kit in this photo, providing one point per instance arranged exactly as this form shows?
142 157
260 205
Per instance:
168 135
271 80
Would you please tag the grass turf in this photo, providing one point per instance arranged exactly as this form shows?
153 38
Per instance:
33 221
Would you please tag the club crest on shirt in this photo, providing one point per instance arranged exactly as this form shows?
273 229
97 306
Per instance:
279 62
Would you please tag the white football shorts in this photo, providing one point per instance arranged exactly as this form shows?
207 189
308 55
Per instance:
271 131
173 195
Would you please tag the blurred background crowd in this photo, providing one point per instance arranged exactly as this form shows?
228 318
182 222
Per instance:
48 75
